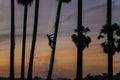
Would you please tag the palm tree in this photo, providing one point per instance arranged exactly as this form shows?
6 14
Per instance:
115 46
79 47
25 3
55 37
110 39
85 43
12 45
29 77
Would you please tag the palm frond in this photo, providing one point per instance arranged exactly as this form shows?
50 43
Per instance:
100 36
75 39
105 47
116 36
85 39
115 26
87 29
118 32
104 29
88 41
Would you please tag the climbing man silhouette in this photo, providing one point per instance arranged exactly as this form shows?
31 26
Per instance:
50 39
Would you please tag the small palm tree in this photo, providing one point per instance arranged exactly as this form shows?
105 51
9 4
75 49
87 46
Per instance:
29 76
116 42
55 37
12 41
85 40
25 3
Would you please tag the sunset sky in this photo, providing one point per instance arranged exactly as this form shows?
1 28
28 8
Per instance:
94 16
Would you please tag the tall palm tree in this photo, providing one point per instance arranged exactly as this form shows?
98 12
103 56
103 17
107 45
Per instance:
85 43
115 46
110 40
29 77
55 37
12 41
79 47
25 3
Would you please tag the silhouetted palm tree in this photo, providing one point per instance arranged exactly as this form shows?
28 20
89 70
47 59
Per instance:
25 3
115 46
29 77
110 39
12 41
55 37
85 43
79 47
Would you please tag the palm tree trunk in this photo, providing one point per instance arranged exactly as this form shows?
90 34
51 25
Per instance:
79 46
29 77
12 46
24 42
110 40
110 67
54 40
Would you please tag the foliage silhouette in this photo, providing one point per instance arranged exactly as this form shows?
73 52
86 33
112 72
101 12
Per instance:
110 40
109 46
79 72
86 40
116 39
25 3
55 37
12 40
29 76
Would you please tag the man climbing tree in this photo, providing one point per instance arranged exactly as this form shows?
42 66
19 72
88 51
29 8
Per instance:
56 26
50 39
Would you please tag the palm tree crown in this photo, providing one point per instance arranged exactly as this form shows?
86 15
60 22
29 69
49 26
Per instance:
85 39
116 37
24 2
66 1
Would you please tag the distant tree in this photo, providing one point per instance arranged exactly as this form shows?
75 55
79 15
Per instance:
86 40
25 3
55 37
29 76
115 46
12 40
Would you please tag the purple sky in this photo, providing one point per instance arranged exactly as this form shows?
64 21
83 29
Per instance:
94 16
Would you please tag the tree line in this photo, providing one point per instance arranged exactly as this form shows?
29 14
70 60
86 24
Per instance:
80 38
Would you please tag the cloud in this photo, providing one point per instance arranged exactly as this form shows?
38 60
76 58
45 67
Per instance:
103 5
95 7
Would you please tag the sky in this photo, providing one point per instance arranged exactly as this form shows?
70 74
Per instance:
94 16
